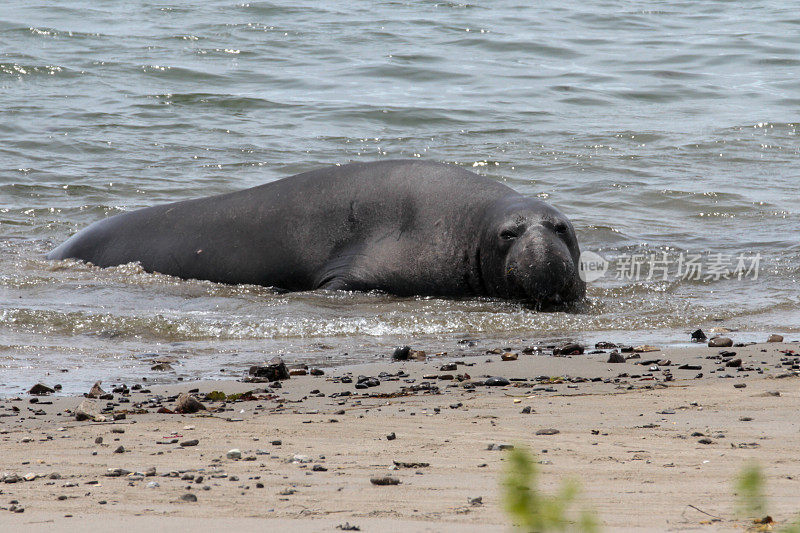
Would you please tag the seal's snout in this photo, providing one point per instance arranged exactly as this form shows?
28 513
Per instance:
541 269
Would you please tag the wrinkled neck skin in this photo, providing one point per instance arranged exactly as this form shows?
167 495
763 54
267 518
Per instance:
527 251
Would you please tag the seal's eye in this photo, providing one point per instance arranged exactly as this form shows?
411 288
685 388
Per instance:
560 228
508 234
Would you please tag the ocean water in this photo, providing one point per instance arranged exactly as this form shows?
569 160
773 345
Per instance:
666 131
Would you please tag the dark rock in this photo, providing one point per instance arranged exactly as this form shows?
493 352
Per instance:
734 363
192 442
690 367
569 349
616 357
698 336
775 338
275 370
705 440
448 367
526 410
401 353
189 497
547 431
41 389
496 381
120 449
739 385
603 345
391 436
316 372
384 480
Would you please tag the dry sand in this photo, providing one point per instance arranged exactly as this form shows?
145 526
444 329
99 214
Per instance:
627 437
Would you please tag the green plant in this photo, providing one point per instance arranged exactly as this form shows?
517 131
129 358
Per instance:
533 511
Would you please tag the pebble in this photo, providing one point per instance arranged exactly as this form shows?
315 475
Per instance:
193 442
40 389
569 349
509 356
496 381
720 342
384 480
391 436
775 338
616 357
547 431
88 410
698 336
120 449
189 497
526 410
401 353
187 404
153 485
235 453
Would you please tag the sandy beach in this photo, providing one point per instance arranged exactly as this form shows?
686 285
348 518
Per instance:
653 445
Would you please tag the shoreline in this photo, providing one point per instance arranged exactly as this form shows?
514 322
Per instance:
627 432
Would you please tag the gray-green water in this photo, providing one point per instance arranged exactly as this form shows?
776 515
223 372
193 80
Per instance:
657 127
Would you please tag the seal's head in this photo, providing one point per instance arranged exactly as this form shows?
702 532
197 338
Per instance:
529 252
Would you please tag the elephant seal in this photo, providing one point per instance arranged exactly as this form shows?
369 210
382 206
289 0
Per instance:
406 227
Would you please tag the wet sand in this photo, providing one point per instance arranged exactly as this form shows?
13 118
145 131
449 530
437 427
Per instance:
653 446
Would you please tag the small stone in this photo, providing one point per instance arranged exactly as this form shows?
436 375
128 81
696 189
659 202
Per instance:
98 440
509 356
775 338
616 357
739 385
192 442
705 440
88 410
40 389
189 497
448 367
275 370
496 381
120 449
153 485
720 342
698 336
186 404
298 371
316 372
96 391
401 353
547 431
569 349
235 453
319 468
161 367
391 436
645 348
734 363
526 410
475 502
384 480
